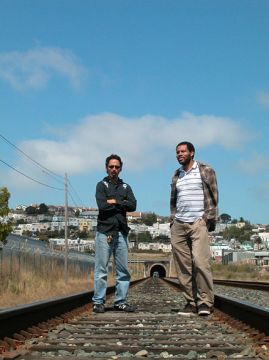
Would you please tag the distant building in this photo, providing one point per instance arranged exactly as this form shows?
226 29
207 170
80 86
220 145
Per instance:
258 229
157 230
262 258
135 215
21 207
85 225
60 210
44 217
16 216
216 251
89 214
221 227
138 228
240 224
156 246
258 258
76 244
247 246
264 236
32 227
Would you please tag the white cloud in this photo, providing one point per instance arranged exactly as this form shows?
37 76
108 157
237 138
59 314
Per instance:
263 98
146 141
33 68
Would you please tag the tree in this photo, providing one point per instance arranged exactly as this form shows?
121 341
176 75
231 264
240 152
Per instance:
43 209
233 232
162 239
84 234
43 237
21 221
5 222
132 236
144 237
248 226
225 218
31 210
149 218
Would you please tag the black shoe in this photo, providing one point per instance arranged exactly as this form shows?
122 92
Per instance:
124 307
98 308
189 308
204 310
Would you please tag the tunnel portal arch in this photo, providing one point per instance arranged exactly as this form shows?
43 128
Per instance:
158 268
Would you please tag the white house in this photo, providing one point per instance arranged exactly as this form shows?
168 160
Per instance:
33 227
265 238
156 246
216 250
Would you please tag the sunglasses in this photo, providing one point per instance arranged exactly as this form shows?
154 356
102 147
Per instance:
114 166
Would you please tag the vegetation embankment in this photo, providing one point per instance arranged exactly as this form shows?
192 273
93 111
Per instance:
26 282
26 286
21 285
238 271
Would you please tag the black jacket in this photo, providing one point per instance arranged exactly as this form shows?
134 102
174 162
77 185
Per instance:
112 218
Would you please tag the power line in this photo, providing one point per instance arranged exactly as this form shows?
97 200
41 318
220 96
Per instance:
29 177
81 201
44 169
69 193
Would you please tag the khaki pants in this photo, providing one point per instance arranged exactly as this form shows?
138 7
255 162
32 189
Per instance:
191 252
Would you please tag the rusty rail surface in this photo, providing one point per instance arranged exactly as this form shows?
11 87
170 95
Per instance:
251 315
158 329
18 318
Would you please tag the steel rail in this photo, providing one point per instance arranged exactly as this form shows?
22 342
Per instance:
255 285
15 319
254 316
155 328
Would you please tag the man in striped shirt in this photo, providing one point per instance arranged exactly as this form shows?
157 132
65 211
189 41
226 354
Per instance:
194 211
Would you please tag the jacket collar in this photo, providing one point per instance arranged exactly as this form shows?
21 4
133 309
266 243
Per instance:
108 180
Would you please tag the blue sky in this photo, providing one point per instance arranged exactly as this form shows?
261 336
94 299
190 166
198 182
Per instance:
80 80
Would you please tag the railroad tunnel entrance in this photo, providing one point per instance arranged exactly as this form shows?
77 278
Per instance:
158 270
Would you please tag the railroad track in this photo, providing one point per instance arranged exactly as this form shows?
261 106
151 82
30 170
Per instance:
156 330
254 285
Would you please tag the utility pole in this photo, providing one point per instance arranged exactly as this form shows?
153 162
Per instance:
65 229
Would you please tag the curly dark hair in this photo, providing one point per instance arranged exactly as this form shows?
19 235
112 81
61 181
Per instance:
115 157
189 146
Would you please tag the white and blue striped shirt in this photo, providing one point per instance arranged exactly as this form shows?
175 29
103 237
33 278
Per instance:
190 195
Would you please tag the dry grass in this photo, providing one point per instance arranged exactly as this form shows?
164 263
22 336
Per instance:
149 256
239 271
31 288
23 286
